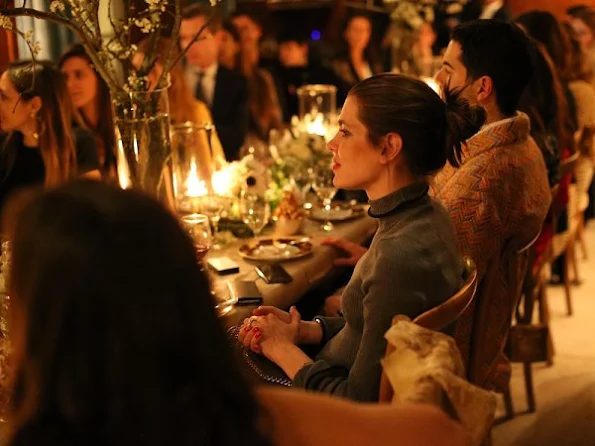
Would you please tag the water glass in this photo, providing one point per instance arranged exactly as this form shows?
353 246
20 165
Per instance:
326 191
199 228
213 207
255 211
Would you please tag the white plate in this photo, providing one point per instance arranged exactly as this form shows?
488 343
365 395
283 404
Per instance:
276 249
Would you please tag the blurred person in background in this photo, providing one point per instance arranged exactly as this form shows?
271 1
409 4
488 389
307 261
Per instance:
357 59
91 97
40 145
225 91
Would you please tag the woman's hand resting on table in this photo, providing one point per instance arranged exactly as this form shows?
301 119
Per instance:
353 250
275 333
270 329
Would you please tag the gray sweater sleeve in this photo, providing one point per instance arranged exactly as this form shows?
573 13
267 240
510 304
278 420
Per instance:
391 286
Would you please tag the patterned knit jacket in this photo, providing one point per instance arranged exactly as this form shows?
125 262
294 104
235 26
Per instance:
498 198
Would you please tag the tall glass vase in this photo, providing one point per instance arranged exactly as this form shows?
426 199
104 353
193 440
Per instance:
143 151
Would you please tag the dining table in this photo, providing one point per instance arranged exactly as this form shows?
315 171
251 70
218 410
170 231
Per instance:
307 272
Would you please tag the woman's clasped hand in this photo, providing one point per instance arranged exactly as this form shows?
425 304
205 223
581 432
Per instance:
270 329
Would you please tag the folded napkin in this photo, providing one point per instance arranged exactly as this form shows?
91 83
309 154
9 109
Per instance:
426 367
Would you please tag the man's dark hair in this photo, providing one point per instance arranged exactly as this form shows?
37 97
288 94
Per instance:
300 36
576 9
501 51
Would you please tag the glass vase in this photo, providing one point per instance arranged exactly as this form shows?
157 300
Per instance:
192 161
143 150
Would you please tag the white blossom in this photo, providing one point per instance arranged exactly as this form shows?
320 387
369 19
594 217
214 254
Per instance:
57 6
145 25
5 23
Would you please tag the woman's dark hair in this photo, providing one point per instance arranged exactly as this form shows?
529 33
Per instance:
104 130
56 141
433 130
122 343
540 101
544 28
547 30
370 54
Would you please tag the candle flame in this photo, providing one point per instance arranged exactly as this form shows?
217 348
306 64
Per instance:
122 167
195 187
315 126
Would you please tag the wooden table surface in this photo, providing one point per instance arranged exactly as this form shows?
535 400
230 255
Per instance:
307 272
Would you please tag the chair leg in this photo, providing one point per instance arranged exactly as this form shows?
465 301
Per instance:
529 386
567 259
508 404
580 235
544 318
572 255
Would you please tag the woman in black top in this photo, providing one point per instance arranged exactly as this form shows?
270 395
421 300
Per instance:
40 146
90 96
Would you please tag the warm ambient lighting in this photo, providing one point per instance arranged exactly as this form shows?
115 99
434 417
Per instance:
195 187
123 169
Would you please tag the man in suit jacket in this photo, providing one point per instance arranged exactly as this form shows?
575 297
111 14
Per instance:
223 90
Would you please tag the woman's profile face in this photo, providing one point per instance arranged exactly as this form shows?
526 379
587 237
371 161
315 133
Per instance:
81 81
356 161
358 33
15 112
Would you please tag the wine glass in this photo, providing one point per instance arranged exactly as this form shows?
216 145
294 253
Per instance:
325 190
255 211
199 228
303 178
213 206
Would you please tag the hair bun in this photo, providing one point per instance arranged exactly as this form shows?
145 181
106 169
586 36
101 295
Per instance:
463 120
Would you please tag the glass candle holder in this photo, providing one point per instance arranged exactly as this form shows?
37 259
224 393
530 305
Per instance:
192 157
317 108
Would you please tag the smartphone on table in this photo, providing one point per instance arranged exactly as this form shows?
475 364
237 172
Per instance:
273 273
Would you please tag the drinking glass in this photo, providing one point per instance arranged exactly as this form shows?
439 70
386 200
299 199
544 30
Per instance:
325 190
255 211
213 206
199 228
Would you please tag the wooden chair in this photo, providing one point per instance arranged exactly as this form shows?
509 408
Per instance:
533 291
438 318
562 242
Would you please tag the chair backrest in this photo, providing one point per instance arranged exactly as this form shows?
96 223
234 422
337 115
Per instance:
440 317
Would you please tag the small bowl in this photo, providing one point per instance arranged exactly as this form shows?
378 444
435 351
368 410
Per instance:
288 226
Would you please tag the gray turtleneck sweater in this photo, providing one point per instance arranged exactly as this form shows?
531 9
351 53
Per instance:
413 264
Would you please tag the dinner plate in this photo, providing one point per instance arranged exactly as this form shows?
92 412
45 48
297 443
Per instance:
338 212
276 249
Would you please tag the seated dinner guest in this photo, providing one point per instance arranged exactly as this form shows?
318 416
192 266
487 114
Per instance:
394 132
120 345
40 145
223 90
500 196
91 97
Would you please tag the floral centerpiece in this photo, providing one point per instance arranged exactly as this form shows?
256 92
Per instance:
107 31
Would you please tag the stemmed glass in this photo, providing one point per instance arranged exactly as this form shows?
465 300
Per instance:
325 190
303 179
255 211
213 206
199 228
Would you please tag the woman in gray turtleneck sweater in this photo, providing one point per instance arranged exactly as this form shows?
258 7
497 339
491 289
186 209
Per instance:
394 132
